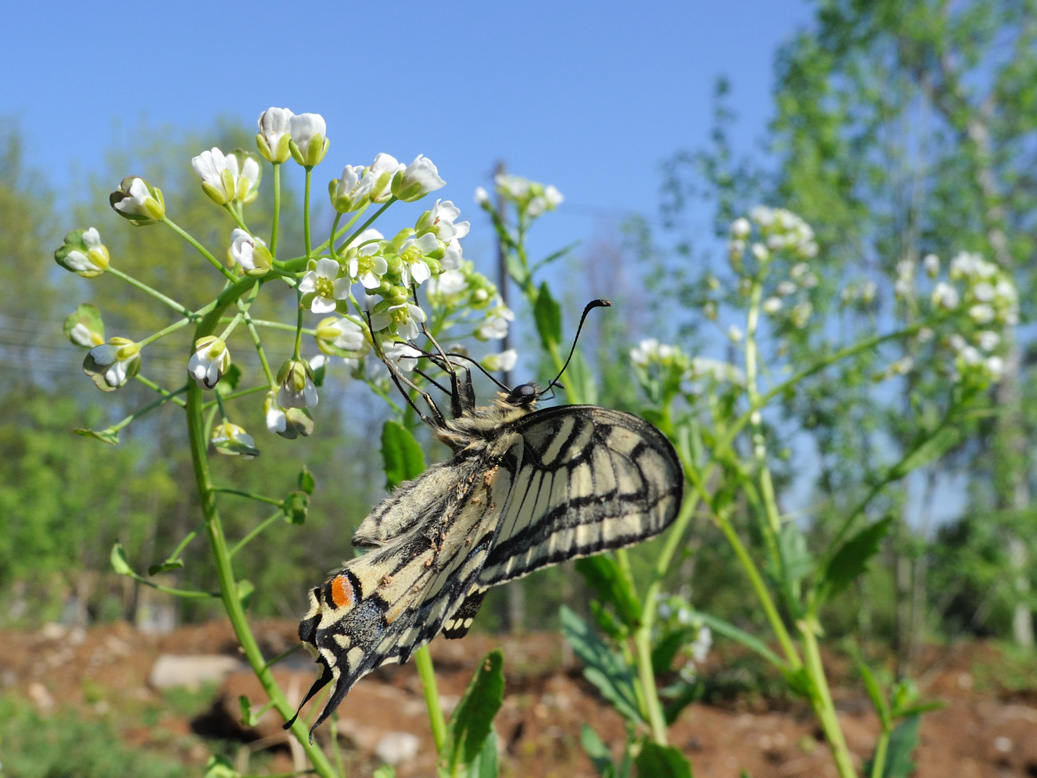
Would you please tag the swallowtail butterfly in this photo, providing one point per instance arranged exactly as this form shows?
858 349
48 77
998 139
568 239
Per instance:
525 489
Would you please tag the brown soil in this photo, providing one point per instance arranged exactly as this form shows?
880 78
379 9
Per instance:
988 726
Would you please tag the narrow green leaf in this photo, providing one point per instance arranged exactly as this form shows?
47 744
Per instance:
548 315
472 720
794 554
933 448
602 666
105 435
118 560
220 767
689 693
612 586
385 771
741 637
656 761
556 255
667 647
162 567
245 590
851 560
597 752
248 719
401 454
875 693
580 382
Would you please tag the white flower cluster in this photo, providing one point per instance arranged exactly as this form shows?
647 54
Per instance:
779 230
669 364
675 615
529 197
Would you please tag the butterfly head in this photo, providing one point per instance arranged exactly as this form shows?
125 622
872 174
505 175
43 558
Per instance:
524 396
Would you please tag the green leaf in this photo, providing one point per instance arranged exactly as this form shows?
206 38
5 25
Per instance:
162 567
597 752
385 771
486 763
514 267
401 454
105 435
245 590
219 767
248 718
118 560
556 256
795 557
602 666
306 481
902 744
656 761
667 647
852 558
580 383
548 315
689 692
612 586
230 379
933 448
472 720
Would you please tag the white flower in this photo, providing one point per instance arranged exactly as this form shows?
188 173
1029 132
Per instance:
983 292
403 355
341 333
785 288
945 296
513 187
447 284
931 263
308 144
760 252
209 361
297 388
502 362
995 368
981 314
324 283
735 333
112 364
762 215
273 137
249 252
496 325
740 228
645 351
403 319
351 191
219 174
988 340
440 221
772 305
418 179
482 197
412 251
232 440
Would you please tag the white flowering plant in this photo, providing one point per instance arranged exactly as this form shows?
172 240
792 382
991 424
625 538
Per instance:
361 296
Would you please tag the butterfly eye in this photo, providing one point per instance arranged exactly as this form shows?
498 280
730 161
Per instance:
523 394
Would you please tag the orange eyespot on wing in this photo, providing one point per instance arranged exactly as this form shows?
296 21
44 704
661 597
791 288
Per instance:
342 593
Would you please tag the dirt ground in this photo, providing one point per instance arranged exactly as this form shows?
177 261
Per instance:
988 727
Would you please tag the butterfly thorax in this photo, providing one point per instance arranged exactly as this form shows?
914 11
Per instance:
477 425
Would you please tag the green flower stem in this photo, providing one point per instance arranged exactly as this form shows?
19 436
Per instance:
427 673
277 209
183 543
166 397
306 213
178 307
370 221
247 495
236 210
201 250
236 395
224 569
821 699
257 343
277 660
177 325
259 528
331 240
187 594
275 325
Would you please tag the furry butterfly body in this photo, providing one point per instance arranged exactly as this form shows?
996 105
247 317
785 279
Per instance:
525 489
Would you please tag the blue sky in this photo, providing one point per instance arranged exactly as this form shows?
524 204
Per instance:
589 97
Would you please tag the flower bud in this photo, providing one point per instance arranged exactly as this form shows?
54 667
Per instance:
231 440
83 253
273 137
250 253
418 179
340 336
350 192
209 361
112 364
289 423
84 327
297 388
138 201
308 144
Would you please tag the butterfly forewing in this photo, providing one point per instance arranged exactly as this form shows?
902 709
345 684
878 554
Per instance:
591 479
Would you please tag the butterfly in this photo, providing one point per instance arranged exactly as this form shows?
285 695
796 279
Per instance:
525 489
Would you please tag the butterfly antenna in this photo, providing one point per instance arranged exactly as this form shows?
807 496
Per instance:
590 307
403 383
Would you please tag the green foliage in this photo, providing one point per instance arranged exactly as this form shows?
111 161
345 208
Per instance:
656 761
851 559
547 314
67 744
401 454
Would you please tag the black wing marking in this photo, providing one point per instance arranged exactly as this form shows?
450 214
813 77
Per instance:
460 622
591 479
